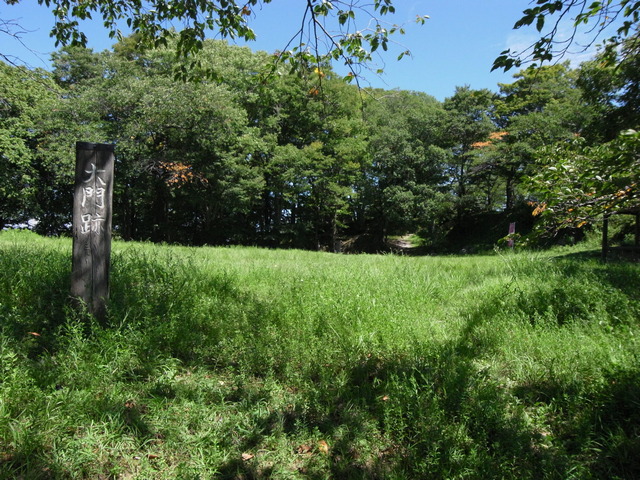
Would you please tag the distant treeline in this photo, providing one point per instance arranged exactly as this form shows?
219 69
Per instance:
265 157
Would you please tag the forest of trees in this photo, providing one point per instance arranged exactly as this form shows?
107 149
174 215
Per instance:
304 160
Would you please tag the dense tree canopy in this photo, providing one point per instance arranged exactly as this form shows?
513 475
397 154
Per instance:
597 173
302 160
307 160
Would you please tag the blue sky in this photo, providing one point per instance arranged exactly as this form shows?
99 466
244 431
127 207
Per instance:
455 47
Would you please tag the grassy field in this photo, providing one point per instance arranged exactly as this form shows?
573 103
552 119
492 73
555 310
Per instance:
245 363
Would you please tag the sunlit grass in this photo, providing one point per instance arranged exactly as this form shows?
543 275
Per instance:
254 363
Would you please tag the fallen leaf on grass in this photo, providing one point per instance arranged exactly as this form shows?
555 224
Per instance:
323 447
385 398
35 334
304 450
247 456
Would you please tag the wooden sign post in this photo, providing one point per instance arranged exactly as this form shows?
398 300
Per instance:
92 225
512 230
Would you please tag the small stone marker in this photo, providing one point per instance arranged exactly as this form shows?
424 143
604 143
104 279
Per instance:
92 225
512 230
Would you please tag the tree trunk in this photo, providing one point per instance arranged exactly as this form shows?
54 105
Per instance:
509 192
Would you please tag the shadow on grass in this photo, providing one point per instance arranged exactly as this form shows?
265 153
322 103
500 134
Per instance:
617 277
26 462
437 415
595 254
434 412
34 295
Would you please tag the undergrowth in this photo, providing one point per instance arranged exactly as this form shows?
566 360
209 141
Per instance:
250 363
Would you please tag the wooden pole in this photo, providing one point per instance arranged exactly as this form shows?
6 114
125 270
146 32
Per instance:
92 226
512 230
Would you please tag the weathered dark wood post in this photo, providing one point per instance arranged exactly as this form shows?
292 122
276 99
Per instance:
92 225
512 231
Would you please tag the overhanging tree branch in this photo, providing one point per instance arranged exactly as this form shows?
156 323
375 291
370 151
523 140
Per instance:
600 14
155 22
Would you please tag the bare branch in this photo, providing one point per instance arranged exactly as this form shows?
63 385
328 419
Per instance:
11 28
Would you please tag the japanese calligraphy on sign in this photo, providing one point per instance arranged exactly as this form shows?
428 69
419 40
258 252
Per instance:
92 225
93 195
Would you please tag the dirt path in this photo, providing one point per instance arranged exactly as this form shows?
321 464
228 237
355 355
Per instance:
403 244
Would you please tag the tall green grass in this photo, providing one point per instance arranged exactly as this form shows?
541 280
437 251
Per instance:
252 363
